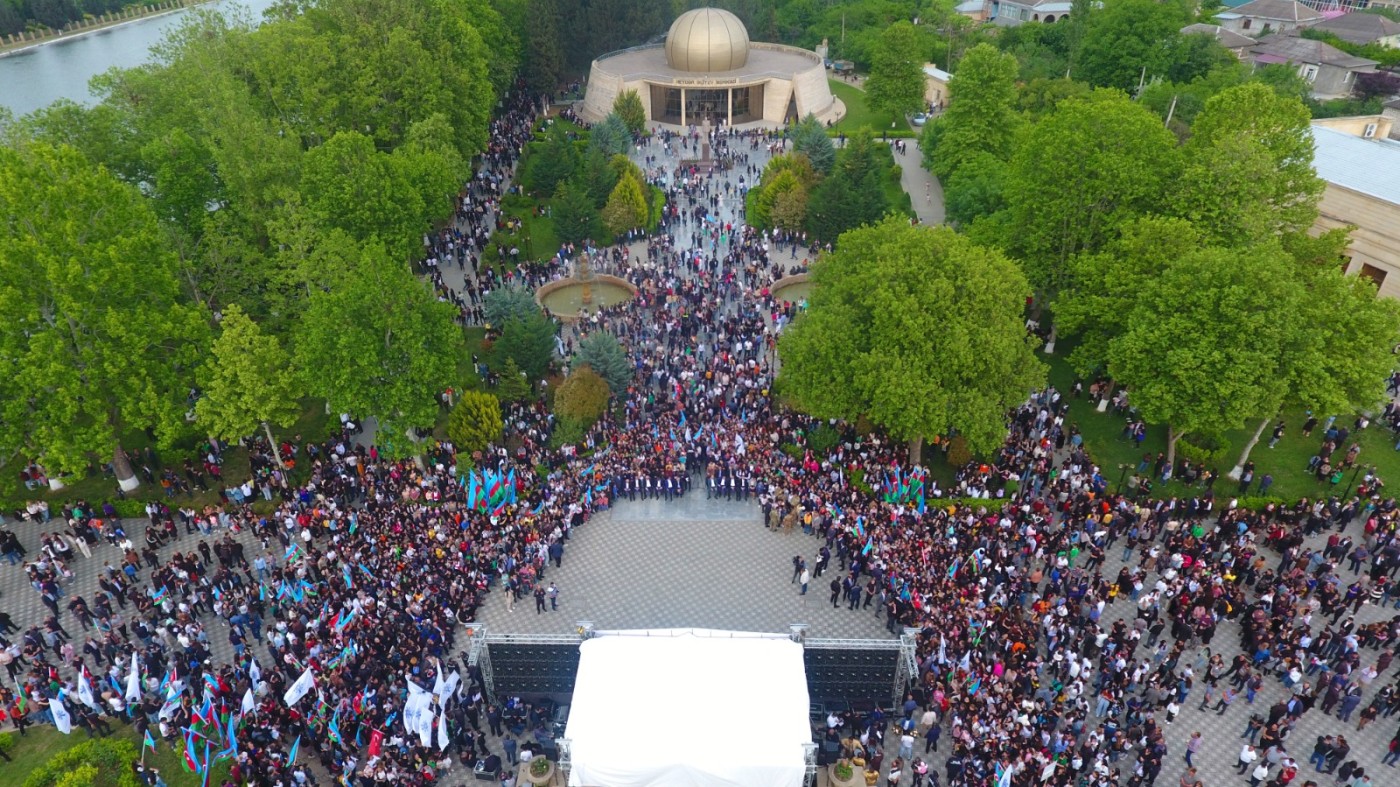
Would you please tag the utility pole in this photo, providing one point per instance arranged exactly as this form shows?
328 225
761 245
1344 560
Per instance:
1171 111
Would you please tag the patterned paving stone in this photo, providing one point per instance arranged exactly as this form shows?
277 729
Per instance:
687 563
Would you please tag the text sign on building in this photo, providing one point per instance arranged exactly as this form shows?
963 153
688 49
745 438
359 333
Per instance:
704 82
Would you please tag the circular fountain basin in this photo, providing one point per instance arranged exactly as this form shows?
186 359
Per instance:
564 298
796 288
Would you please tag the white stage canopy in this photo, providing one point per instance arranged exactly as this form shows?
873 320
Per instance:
688 708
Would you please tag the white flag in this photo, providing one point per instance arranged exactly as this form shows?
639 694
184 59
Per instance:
254 673
414 708
248 702
439 684
61 719
85 690
454 681
297 690
425 727
442 731
133 681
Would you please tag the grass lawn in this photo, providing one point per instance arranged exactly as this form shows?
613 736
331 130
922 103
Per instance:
42 742
1287 463
312 424
860 115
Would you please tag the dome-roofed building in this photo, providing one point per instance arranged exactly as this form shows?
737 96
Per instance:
709 70
707 39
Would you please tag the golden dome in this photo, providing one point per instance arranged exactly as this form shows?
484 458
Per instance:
707 39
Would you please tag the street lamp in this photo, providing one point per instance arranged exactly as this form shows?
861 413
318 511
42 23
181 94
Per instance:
1122 474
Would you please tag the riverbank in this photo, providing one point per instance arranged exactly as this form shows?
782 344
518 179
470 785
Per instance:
23 42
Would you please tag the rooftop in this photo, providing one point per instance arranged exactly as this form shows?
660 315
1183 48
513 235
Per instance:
1366 166
1292 49
1359 28
936 72
1226 38
765 61
1282 10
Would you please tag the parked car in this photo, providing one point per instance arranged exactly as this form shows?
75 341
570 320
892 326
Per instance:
919 119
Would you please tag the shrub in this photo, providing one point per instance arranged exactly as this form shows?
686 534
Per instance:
539 766
1205 447
823 439
509 303
604 353
958 454
475 421
567 431
583 397
110 760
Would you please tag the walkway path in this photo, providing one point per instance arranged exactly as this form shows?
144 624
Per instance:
923 188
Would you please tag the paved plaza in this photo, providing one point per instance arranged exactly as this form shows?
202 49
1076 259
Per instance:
690 563
694 562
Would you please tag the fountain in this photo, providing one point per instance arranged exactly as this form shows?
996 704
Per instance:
796 288
583 292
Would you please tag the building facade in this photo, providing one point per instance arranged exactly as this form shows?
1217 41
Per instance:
1362 170
709 71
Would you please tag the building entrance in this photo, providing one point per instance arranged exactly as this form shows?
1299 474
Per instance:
695 106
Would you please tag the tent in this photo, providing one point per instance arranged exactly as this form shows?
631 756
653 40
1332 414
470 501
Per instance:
688 707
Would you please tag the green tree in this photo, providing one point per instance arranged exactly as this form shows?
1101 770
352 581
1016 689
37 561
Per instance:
96 339
1205 344
556 162
610 135
1249 166
543 51
790 210
475 422
575 216
896 81
1083 172
981 116
513 385
246 383
853 195
603 353
379 343
926 329
1039 97
1284 79
597 177
626 208
348 185
976 189
504 304
1128 42
583 396
809 138
628 106
529 343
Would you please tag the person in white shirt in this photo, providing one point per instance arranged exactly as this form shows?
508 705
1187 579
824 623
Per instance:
1248 755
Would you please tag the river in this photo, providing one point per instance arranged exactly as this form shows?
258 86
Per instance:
37 77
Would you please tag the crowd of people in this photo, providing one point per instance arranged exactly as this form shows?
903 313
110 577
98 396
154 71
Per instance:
342 607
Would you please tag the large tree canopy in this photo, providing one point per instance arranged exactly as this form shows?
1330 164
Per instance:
981 116
917 329
95 338
1084 171
379 343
